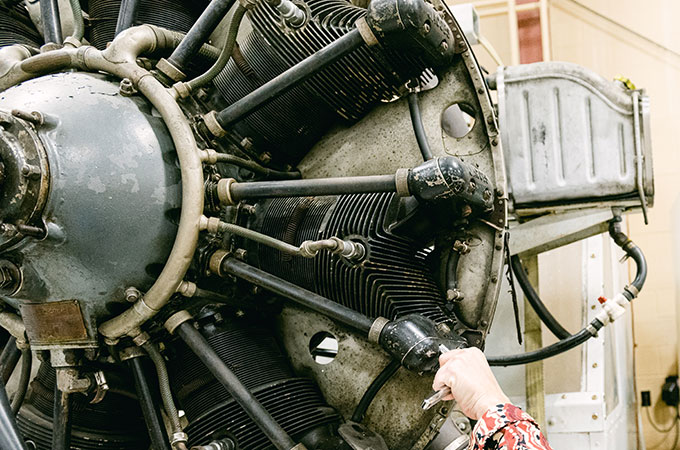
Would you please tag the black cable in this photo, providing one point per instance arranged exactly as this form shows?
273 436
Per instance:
418 128
543 353
372 390
24 378
535 301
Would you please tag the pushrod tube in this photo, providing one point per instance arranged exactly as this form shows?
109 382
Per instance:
49 14
311 187
126 15
61 420
297 294
199 32
152 415
290 78
197 343
9 358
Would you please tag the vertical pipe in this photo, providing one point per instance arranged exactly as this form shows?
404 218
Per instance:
514 32
150 410
535 389
51 23
126 15
9 358
61 420
199 32
10 437
545 30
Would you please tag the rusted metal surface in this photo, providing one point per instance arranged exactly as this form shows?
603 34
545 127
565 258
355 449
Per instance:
54 322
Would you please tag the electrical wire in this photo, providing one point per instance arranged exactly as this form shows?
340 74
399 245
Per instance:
372 390
658 428
418 128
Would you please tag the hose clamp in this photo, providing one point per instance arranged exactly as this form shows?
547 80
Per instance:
633 290
401 182
176 320
376 329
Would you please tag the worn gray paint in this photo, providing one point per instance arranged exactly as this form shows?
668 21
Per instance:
113 181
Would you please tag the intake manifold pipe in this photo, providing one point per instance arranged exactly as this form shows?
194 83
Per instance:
437 179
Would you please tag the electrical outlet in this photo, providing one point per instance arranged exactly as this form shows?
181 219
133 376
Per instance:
646 398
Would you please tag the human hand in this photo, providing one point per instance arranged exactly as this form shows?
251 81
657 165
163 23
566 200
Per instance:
474 387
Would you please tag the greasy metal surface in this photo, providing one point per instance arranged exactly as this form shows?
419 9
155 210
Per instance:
54 322
395 412
113 200
380 143
383 141
570 135
24 177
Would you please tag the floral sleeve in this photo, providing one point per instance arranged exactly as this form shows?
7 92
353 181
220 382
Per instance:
507 427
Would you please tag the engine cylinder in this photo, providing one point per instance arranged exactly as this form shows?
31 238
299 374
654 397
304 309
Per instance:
394 278
248 346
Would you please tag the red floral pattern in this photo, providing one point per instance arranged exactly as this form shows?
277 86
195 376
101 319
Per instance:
507 427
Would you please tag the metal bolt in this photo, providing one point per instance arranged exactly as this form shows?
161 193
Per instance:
30 171
247 143
594 397
486 195
594 365
594 416
132 294
454 295
265 157
483 323
241 254
248 209
426 27
444 46
499 247
466 210
461 426
461 247
494 142
126 88
8 230
494 279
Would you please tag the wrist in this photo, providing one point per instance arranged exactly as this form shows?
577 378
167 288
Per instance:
489 402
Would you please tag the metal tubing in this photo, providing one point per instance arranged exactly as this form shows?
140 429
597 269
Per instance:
61 420
49 15
10 437
233 385
126 15
25 377
303 297
199 32
152 415
255 167
290 78
314 186
164 385
9 358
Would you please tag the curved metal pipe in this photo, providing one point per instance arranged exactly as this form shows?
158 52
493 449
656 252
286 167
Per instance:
120 59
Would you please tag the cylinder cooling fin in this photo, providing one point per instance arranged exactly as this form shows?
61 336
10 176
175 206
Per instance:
118 226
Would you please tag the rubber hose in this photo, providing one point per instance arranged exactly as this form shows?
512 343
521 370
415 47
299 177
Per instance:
164 385
543 353
24 378
418 128
535 301
223 59
372 390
